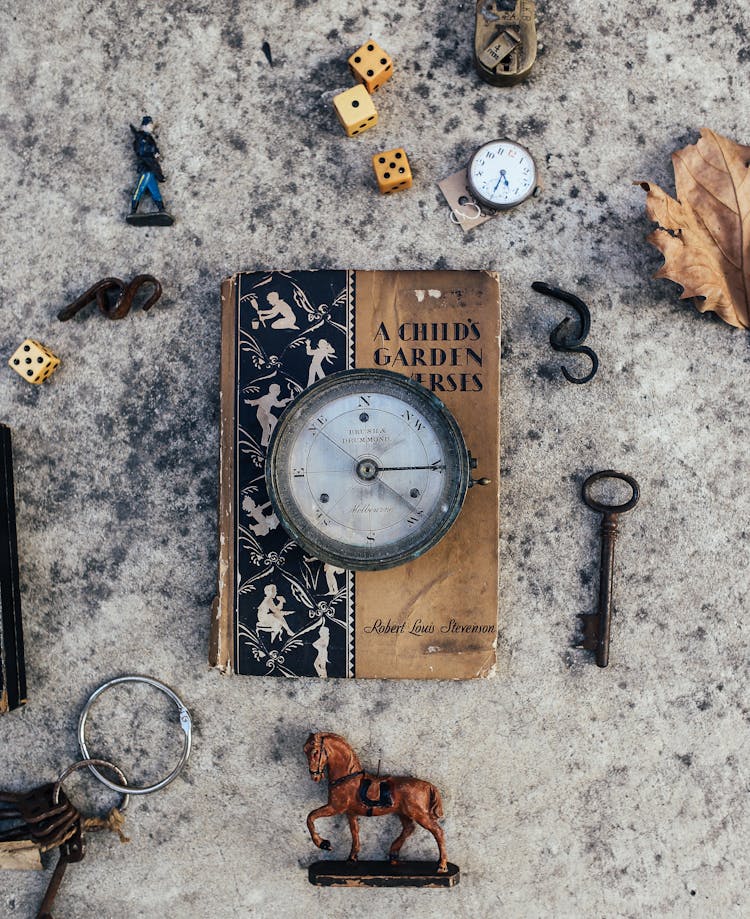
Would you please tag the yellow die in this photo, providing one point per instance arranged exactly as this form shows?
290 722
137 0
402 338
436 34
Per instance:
34 362
371 66
392 170
355 110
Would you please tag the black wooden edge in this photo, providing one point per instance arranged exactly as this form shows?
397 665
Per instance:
381 874
12 669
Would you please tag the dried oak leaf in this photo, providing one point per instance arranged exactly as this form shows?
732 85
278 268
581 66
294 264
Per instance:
704 235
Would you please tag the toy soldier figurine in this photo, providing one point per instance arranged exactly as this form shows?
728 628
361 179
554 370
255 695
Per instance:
144 144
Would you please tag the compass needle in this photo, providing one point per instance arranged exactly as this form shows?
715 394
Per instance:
321 431
435 467
384 484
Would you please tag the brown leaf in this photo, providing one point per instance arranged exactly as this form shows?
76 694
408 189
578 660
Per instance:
704 235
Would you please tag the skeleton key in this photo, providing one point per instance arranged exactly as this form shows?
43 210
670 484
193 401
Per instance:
47 818
72 850
596 626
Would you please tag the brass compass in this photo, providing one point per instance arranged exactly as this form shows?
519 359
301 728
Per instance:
367 469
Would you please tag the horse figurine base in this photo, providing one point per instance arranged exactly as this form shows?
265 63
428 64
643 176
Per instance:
357 793
381 874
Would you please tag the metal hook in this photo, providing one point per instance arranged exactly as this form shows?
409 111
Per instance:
570 345
98 292
575 349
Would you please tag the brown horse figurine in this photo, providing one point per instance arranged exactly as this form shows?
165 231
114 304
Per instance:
357 793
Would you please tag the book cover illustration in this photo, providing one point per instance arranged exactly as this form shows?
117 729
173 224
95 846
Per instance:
294 612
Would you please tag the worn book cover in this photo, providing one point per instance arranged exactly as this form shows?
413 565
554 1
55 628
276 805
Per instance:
434 617
12 673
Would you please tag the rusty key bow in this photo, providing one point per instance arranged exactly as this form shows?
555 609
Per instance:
597 626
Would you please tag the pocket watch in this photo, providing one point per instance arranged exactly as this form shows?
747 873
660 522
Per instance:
367 469
501 174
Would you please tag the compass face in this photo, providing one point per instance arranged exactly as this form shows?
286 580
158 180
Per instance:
367 469
501 174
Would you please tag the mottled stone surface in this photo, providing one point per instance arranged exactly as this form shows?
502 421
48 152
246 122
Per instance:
569 792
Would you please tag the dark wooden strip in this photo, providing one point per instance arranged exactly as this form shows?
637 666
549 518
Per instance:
381 874
12 670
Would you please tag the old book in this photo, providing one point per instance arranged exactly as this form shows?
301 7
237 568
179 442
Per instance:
12 673
433 617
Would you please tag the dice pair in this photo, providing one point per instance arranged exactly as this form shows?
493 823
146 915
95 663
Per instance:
370 67
33 361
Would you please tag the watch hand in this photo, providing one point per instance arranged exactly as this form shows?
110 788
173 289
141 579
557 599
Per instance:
501 179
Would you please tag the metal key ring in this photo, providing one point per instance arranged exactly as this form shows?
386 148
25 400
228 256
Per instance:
122 806
458 219
611 508
185 723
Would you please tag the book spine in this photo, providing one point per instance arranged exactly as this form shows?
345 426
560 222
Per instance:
12 670
221 640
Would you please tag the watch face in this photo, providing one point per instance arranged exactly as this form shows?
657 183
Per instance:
501 174
367 469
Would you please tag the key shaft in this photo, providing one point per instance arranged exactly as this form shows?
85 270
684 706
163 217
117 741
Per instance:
606 587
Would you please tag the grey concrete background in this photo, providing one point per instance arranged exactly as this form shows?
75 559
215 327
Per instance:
570 792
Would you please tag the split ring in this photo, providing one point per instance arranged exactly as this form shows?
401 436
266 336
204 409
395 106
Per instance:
458 219
186 725
91 763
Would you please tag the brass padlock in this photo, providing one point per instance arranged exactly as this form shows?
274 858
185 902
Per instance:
504 40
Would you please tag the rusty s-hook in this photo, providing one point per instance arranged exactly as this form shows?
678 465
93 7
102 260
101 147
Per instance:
125 295
559 341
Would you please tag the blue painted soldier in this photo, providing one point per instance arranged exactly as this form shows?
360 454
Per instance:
149 167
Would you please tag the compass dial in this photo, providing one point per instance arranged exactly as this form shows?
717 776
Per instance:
501 174
367 469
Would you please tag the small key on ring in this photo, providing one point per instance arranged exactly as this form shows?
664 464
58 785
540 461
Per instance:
46 817
71 851
74 848
596 626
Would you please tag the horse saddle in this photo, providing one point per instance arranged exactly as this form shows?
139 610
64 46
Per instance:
375 793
